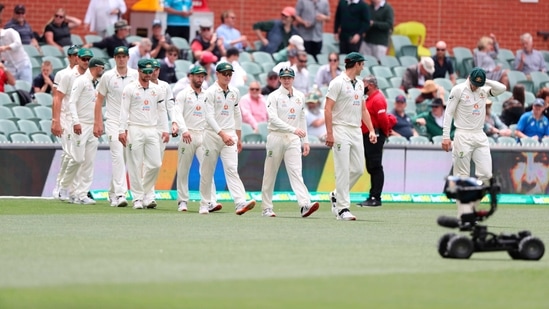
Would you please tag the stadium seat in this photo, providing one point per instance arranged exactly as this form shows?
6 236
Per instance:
50 50
397 41
506 55
530 141
268 66
23 112
382 71
262 57
245 56
313 139
27 126
444 82
76 40
370 61
262 128
32 51
23 85
92 38
407 61
538 79
3 138
99 53
397 140
252 138
516 77
44 99
462 53
42 112
389 61
419 140
506 140
382 83
18 137
45 125
395 81
182 65
399 71
392 93
5 99
133 39
5 112
57 63
40 137
180 43
252 68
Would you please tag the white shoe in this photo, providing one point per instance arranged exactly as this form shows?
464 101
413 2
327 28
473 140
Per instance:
214 206
334 202
268 212
203 210
55 192
150 205
309 209
85 201
113 201
345 215
137 204
121 201
182 206
244 207
64 195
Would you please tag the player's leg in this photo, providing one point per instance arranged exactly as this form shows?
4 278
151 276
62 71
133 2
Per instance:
461 153
152 162
293 162
119 185
210 147
134 161
86 168
274 154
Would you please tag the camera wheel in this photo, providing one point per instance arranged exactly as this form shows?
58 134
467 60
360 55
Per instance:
443 244
460 247
531 248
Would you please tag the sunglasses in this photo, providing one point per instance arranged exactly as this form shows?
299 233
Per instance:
441 49
85 59
302 61
59 16
205 29
227 73
254 89
333 60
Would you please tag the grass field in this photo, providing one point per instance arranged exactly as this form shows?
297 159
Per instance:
55 255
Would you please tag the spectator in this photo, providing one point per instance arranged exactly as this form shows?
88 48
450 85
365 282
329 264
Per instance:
514 107
239 75
20 24
301 81
253 106
160 42
139 51
5 77
493 126
167 65
208 61
443 64
543 93
431 122
121 32
310 18
404 125
207 40
534 123
528 59
229 34
295 44
329 71
43 82
376 40
178 18
15 59
416 75
429 92
272 83
352 21
485 59
101 15
278 31
314 115
58 29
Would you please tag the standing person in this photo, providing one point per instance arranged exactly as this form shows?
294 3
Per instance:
310 17
142 115
102 14
352 21
84 144
287 133
15 59
178 23
376 104
376 40
343 114
189 120
110 90
467 107
222 138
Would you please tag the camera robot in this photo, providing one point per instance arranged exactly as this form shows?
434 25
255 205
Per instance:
520 246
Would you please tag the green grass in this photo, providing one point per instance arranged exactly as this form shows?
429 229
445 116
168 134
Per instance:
56 255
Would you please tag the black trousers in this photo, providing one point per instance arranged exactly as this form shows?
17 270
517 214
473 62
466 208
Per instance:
179 31
346 47
373 153
313 48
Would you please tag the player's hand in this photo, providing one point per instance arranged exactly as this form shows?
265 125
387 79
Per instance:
56 128
373 137
306 149
98 129
446 144
122 138
227 139
77 128
239 146
165 137
186 137
329 140
300 132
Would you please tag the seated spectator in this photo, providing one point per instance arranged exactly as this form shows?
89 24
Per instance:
184 82
416 75
272 83
404 125
329 71
429 92
43 82
5 77
253 106
493 126
443 64
301 81
314 115
207 40
278 31
514 107
139 51
543 94
295 43
431 122
239 75
20 24
58 29
101 15
121 32
485 59
159 40
528 59
167 65
230 35
534 123
208 61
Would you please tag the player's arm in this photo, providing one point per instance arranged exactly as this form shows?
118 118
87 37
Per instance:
496 88
328 107
367 120
124 115
75 95
98 116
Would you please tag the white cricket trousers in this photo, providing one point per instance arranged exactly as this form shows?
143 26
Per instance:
119 184
186 153
213 149
79 170
65 157
143 159
285 146
348 162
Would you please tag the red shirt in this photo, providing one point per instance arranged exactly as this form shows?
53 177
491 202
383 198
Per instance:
3 80
376 104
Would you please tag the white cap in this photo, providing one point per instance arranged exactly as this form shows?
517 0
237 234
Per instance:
297 41
428 64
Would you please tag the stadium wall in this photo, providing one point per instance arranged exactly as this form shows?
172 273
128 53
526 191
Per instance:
459 23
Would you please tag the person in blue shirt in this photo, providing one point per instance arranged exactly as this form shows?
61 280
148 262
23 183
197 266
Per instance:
533 123
230 35
178 24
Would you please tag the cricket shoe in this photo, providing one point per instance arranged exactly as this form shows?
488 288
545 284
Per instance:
182 206
121 201
244 207
85 201
370 202
151 205
212 207
203 210
138 204
345 215
268 212
309 209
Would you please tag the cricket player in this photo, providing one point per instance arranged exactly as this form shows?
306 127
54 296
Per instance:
287 132
343 114
84 144
467 108
189 120
109 91
59 117
62 111
222 138
143 116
